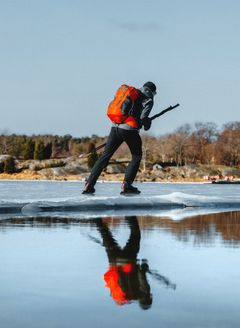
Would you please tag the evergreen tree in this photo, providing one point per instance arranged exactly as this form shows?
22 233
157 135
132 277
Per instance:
9 165
16 145
28 151
1 167
93 156
39 150
48 150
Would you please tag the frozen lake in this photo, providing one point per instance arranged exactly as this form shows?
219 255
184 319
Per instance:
58 198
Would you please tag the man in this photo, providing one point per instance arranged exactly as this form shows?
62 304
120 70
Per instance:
136 110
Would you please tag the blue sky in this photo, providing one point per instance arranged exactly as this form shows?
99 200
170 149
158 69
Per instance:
61 61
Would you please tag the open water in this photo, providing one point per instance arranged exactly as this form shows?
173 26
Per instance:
166 258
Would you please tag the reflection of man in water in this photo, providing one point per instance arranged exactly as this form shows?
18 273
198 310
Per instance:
126 277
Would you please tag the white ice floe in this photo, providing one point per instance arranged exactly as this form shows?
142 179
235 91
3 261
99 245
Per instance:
65 199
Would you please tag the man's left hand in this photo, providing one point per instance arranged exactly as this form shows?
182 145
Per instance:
147 122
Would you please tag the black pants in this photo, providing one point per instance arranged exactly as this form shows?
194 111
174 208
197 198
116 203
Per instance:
116 137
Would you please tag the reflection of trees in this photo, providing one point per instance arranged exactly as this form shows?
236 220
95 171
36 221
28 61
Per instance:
203 228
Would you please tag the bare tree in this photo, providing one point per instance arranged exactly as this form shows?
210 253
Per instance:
228 144
205 134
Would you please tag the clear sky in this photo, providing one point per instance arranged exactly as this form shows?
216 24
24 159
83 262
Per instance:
62 60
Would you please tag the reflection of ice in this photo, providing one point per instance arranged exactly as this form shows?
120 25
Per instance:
174 214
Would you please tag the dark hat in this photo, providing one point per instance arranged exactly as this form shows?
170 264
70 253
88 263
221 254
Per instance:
151 86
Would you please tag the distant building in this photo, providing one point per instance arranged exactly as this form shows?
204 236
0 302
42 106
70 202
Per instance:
162 165
157 166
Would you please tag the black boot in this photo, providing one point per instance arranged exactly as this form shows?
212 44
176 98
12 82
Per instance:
88 189
127 188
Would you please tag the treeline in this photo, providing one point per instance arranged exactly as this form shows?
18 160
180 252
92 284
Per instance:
43 146
201 143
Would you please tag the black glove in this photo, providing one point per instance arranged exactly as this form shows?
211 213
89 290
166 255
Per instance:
147 122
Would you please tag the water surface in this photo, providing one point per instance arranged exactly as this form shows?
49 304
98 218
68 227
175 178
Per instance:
120 271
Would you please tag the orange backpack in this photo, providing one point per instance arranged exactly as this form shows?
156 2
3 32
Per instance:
114 111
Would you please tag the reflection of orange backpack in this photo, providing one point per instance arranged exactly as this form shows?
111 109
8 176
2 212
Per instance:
111 278
114 111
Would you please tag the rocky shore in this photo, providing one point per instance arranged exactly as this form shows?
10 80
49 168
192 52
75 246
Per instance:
77 169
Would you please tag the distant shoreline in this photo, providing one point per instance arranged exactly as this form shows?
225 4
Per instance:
103 181
78 171
108 178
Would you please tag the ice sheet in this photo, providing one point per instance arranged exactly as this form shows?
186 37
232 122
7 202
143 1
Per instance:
64 198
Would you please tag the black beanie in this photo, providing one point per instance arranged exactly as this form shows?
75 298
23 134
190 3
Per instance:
151 86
